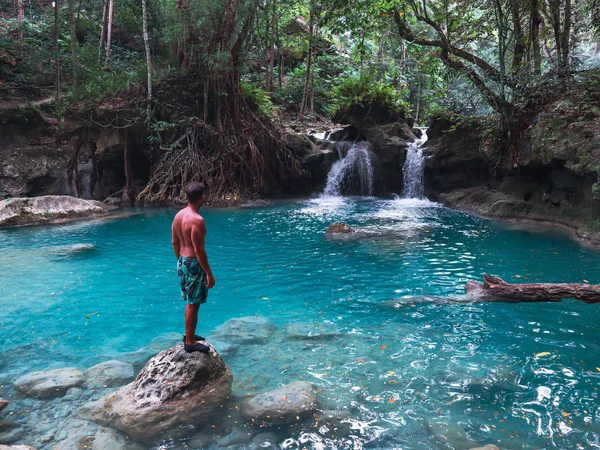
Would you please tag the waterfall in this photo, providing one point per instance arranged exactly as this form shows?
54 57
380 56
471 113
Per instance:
352 172
413 168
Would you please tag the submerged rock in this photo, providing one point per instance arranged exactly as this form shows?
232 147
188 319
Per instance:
487 447
66 251
339 228
286 404
47 209
109 374
311 330
50 384
174 391
3 404
245 330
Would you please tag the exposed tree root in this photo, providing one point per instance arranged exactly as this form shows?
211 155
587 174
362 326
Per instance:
237 163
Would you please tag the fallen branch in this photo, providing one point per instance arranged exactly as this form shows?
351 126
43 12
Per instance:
495 289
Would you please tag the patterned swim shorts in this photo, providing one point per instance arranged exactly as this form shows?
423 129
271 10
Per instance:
192 279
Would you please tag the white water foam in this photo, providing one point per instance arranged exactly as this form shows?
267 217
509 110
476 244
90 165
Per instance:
351 170
413 169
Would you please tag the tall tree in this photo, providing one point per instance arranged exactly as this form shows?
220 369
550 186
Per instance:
103 32
20 14
109 21
73 38
148 60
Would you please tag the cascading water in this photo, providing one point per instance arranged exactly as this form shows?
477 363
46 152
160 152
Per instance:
352 172
413 169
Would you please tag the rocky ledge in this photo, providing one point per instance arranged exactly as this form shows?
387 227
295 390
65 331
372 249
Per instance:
48 209
173 392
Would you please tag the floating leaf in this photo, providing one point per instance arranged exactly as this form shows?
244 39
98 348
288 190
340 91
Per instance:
539 355
382 347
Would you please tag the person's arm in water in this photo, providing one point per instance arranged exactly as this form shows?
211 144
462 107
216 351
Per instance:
175 241
198 234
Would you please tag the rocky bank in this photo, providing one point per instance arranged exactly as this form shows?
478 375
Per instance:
551 176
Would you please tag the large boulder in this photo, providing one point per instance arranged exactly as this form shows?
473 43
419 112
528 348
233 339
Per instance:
174 391
109 374
283 405
47 209
50 384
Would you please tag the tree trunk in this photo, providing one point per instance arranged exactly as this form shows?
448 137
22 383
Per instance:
304 105
534 33
520 47
20 23
56 52
103 33
73 35
494 289
566 39
109 31
128 196
148 61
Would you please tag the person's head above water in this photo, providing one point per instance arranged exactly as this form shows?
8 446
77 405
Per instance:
195 193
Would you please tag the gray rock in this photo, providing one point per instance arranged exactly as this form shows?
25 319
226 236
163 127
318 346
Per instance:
311 330
245 330
109 374
50 384
264 440
73 394
3 404
237 436
47 209
11 436
67 251
173 391
16 447
283 405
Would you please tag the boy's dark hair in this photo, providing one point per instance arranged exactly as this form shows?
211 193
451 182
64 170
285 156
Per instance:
194 191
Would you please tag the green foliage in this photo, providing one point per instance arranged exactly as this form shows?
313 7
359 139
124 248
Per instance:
255 94
366 89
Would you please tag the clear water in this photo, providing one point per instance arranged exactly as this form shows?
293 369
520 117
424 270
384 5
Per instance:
406 371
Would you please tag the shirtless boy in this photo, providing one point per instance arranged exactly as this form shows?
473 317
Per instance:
193 270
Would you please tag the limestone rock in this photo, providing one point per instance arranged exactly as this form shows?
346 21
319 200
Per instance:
339 228
3 404
283 405
109 374
47 209
173 391
50 384
245 330
16 447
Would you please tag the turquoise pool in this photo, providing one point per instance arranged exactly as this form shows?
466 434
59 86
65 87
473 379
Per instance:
407 370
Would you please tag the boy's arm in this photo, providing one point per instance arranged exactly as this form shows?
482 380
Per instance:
198 234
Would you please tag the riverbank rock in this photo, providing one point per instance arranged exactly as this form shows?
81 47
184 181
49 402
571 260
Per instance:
109 374
245 330
174 391
47 209
283 405
339 228
50 384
